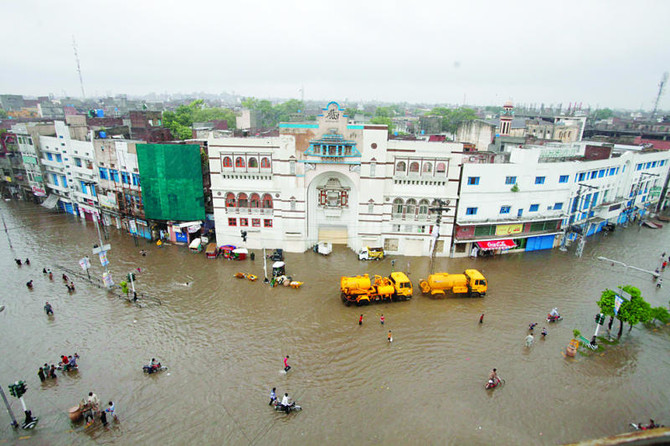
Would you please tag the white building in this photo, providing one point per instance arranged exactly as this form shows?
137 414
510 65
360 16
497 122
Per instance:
119 189
70 169
528 202
333 181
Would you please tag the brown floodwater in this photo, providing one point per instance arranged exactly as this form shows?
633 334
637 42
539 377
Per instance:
224 340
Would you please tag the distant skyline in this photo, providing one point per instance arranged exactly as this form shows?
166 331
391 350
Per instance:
598 53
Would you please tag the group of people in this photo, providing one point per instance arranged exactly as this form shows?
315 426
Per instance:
285 403
19 262
90 407
45 372
68 283
65 363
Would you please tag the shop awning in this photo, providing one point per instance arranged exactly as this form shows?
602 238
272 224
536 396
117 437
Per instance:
497 244
51 202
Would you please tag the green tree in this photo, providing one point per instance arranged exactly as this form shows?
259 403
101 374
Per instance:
383 121
384 112
271 115
660 314
452 118
180 121
632 312
603 113
351 112
3 113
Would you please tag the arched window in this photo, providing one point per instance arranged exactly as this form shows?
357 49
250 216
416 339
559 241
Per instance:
401 167
410 207
239 162
398 206
427 167
254 200
265 163
423 207
267 201
441 168
414 167
230 200
253 162
242 201
227 161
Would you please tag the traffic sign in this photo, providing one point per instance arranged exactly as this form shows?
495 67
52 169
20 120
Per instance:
98 249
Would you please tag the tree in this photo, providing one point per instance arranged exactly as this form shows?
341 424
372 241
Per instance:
632 311
452 118
180 121
3 113
659 314
271 116
383 121
603 113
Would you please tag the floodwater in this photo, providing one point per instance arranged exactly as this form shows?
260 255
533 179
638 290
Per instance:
224 339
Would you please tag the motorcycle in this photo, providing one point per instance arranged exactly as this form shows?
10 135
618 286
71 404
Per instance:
490 384
293 407
154 369
644 427
556 318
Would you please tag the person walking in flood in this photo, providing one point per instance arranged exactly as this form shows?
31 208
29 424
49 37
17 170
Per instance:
29 284
18 261
273 396
544 332
48 309
360 320
381 319
529 340
286 366
40 373
27 262
481 319
390 337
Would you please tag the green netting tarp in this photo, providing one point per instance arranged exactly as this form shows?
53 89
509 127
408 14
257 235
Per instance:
171 176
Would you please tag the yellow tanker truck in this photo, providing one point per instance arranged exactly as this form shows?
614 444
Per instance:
362 290
470 283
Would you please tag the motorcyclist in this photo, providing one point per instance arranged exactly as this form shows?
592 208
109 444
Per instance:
553 314
286 403
154 365
493 378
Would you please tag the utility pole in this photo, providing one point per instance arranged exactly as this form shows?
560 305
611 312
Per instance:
442 206
101 249
9 408
6 231
576 204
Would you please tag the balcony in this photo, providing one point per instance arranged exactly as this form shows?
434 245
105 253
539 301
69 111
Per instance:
52 164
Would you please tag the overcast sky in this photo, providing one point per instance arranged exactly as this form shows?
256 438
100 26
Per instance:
609 53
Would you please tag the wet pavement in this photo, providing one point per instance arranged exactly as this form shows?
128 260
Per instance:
224 339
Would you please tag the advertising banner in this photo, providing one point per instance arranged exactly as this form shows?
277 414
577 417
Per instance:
509 229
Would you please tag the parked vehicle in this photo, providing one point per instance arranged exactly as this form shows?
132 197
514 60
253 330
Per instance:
363 290
368 253
470 283
323 248
227 251
212 251
240 253
277 255
196 245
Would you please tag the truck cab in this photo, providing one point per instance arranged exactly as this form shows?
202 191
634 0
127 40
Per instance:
402 284
478 285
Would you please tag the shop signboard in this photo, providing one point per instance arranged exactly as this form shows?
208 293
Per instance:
509 229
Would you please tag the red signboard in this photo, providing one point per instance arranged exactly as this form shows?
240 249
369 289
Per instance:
497 244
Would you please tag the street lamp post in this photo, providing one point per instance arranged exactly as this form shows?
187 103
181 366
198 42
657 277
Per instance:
574 209
101 248
442 206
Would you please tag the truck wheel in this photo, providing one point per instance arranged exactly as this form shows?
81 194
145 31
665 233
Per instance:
475 294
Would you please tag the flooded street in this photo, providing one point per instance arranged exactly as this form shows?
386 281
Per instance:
224 339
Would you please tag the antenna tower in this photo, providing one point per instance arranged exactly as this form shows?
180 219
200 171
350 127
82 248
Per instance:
661 87
76 56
